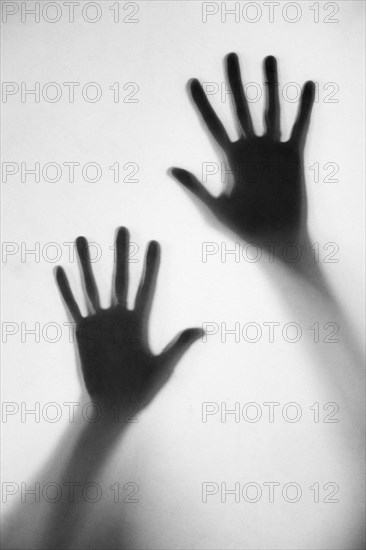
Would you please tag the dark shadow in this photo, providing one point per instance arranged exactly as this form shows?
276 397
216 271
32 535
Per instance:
121 375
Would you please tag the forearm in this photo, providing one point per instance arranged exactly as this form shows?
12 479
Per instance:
75 467
332 345
85 464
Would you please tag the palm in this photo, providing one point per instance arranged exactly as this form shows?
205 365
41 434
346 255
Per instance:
116 361
117 364
267 201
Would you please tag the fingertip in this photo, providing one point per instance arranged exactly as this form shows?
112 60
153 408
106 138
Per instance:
190 182
270 68
195 87
192 334
270 61
194 82
153 250
178 173
310 87
200 333
122 229
173 171
232 58
61 280
233 67
310 83
81 243
308 95
122 233
184 177
59 273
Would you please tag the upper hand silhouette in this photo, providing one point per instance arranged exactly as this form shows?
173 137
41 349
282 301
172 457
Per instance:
117 364
268 198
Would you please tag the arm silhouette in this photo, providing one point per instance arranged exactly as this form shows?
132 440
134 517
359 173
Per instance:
267 205
119 370
117 364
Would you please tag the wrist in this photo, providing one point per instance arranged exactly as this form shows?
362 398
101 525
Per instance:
297 252
109 414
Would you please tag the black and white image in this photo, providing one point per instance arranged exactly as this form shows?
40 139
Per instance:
183 264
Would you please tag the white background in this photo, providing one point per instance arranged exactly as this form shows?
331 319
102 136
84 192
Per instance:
171 452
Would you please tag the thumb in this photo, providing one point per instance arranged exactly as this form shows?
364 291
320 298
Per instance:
177 347
190 181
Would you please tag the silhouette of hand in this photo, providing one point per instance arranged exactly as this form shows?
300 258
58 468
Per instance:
117 364
268 198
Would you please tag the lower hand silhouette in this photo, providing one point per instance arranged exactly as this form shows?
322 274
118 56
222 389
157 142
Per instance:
117 364
268 200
